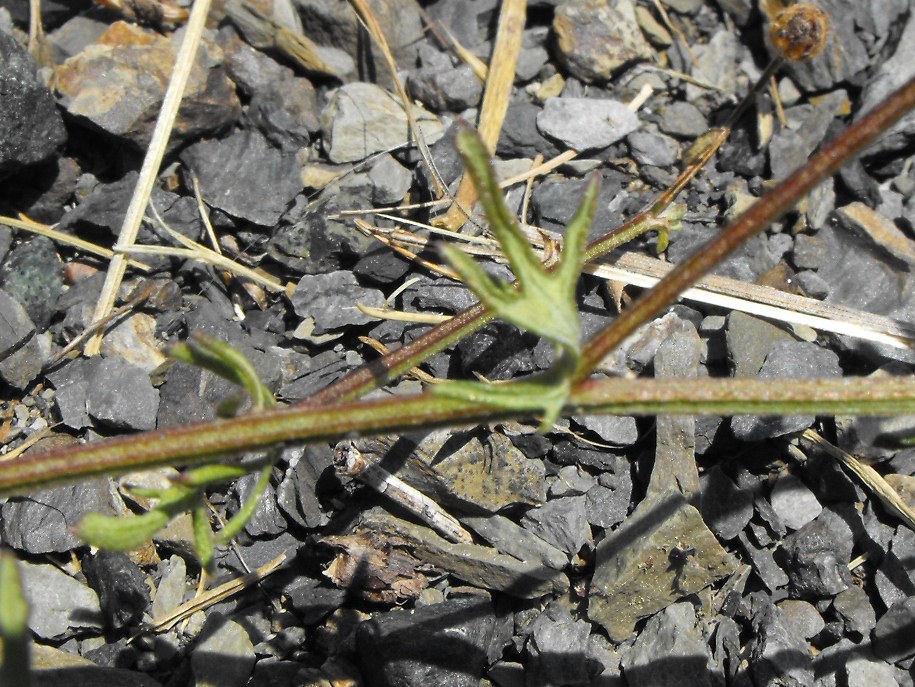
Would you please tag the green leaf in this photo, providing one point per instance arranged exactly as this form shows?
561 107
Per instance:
119 533
14 618
203 536
543 301
227 362
241 518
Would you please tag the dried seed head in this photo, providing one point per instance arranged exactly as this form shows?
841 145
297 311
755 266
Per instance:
799 32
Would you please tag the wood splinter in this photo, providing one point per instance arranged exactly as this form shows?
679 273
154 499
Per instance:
349 461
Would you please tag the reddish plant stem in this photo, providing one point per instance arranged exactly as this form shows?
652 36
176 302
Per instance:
212 441
762 213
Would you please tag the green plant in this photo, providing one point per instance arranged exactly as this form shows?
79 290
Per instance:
566 387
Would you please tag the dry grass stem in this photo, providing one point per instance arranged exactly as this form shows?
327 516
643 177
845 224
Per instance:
496 96
26 224
872 479
151 163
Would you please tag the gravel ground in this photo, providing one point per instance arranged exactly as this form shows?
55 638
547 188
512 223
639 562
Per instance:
597 558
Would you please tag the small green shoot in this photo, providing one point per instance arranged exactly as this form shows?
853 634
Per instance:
188 490
14 630
542 302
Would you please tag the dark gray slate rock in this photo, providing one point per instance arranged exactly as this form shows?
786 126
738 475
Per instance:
310 601
443 644
225 655
861 277
764 564
330 299
845 663
58 602
653 149
120 585
780 656
895 579
21 356
669 651
508 537
725 508
893 637
109 391
682 119
793 502
619 430
792 360
41 522
854 607
315 242
749 340
790 148
33 275
297 495
641 568
336 25
267 520
286 113
586 123
562 522
595 39
817 555
520 136
31 129
802 616
450 89
559 651
361 119
889 76
244 176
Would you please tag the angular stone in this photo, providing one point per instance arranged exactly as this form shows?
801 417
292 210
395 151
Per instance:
596 38
42 522
817 556
32 273
20 359
516 541
225 655
789 360
118 83
31 129
362 119
107 390
330 300
120 586
559 651
802 616
725 508
58 602
619 430
479 566
669 651
749 341
245 176
661 553
441 644
779 655
893 639
586 123
451 89
561 522
336 25
793 502
461 469
675 452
